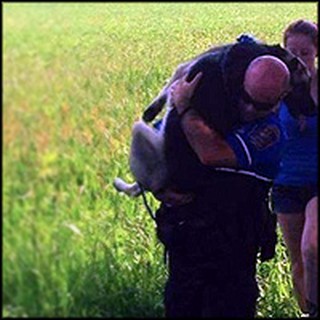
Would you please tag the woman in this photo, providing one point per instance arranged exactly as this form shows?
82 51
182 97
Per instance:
295 194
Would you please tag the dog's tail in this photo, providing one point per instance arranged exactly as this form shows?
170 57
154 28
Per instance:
132 190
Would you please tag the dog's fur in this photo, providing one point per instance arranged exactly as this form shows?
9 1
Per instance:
159 159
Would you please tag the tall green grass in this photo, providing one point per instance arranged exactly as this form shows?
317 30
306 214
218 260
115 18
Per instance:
75 78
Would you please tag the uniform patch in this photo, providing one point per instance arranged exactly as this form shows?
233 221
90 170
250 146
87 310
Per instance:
265 137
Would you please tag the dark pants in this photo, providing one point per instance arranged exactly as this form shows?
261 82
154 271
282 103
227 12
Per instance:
212 247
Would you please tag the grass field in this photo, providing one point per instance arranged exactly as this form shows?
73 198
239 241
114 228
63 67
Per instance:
75 77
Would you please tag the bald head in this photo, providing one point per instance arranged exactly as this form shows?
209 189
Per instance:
266 79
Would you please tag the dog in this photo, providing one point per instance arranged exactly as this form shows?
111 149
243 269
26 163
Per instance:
162 158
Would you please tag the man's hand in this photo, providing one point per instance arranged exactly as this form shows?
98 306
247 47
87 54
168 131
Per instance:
173 198
181 92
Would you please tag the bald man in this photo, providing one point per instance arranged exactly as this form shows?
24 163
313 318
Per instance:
216 238
266 81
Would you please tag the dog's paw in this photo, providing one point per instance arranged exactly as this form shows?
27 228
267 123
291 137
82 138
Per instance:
149 114
154 108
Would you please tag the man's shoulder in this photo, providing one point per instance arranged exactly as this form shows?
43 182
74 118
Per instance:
263 133
272 120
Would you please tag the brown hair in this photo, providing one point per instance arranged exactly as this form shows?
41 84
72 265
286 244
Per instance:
305 27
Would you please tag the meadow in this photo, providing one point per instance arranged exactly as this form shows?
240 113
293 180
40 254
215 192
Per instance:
75 78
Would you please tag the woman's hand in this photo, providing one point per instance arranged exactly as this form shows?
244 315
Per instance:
181 92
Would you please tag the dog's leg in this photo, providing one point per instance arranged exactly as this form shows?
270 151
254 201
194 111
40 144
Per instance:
156 106
132 190
147 158
158 103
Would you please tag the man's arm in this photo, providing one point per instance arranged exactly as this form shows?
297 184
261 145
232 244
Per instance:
210 147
